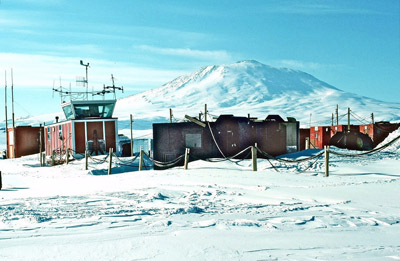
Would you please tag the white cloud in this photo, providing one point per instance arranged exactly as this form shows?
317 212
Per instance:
221 55
303 65
39 71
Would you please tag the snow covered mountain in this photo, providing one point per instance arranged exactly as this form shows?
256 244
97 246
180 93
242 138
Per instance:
252 87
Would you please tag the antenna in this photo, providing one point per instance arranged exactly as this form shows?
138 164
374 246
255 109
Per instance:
86 80
13 118
61 92
5 102
77 95
110 89
12 99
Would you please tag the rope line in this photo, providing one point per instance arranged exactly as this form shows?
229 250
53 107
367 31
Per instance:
212 134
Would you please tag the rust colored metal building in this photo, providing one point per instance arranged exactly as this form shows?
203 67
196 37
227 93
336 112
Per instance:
89 126
23 141
232 135
320 136
378 131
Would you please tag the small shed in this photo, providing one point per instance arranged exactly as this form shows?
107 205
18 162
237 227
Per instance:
229 134
23 141
89 125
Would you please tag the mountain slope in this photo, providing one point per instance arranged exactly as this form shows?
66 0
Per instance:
252 87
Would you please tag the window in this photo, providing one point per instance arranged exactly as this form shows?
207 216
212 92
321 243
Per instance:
93 110
68 112
193 140
48 133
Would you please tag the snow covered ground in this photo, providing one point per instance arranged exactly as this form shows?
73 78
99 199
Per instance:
212 211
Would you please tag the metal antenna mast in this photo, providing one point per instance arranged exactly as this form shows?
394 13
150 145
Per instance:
86 80
12 98
110 89
5 102
13 119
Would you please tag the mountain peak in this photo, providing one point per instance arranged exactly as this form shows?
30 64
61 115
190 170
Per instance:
249 86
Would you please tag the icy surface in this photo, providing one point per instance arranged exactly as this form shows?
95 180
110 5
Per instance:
211 211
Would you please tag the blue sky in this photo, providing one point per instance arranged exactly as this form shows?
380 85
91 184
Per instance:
352 45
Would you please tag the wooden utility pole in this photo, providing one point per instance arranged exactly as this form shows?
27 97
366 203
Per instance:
131 118
12 109
372 118
337 115
187 151
170 115
110 163
40 146
326 148
205 112
1 182
348 119
254 157
5 102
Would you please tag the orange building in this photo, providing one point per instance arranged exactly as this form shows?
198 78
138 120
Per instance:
89 126
23 141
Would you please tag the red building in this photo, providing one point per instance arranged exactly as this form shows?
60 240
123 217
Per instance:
89 126
378 131
23 141
320 136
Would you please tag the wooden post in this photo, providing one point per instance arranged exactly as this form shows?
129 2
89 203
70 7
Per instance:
43 158
254 157
170 115
131 136
1 182
205 112
110 163
307 143
326 148
141 160
337 115
40 146
187 151
86 160
53 160
67 155
348 119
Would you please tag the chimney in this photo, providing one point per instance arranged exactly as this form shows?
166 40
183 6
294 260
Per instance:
57 119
